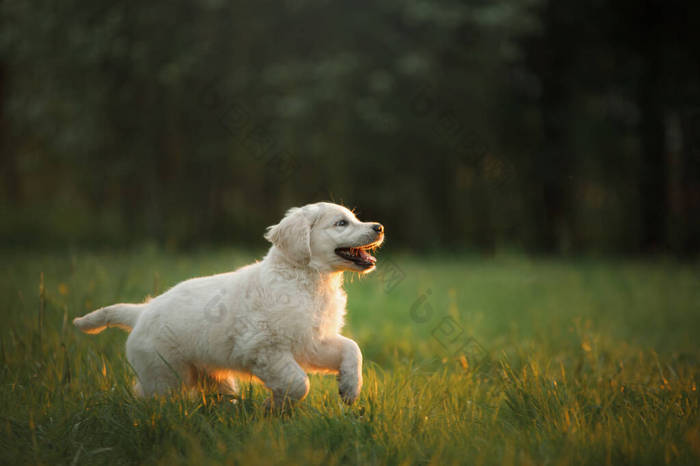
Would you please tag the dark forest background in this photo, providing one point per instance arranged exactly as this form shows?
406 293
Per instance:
531 125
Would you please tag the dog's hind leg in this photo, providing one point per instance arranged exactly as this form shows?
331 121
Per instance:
225 385
219 382
158 373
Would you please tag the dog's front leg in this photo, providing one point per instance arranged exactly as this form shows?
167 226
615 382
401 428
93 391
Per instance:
283 376
342 355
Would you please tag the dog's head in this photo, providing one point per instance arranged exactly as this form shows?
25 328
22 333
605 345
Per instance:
327 237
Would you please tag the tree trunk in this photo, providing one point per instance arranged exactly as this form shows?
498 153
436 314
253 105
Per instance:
653 177
552 163
8 160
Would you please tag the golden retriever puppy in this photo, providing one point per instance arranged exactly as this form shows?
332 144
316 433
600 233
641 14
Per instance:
275 320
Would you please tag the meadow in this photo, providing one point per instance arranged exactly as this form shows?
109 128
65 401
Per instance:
505 360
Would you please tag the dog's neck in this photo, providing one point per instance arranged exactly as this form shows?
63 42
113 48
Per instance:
276 259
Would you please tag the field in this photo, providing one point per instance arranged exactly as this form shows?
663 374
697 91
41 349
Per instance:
509 360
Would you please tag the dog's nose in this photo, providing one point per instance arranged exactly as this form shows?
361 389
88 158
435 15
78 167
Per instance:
378 227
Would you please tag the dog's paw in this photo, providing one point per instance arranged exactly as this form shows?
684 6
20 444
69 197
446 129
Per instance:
349 389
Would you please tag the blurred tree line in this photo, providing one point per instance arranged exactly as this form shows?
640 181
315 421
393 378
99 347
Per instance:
541 125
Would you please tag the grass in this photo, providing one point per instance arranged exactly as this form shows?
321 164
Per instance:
467 361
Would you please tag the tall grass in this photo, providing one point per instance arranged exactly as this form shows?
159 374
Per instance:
505 361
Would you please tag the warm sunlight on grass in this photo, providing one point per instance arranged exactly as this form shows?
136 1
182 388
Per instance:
505 361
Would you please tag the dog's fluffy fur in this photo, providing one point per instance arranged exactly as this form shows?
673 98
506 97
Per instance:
275 320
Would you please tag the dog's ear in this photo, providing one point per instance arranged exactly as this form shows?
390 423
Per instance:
293 235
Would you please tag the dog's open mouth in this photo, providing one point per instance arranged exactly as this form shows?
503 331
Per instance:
359 255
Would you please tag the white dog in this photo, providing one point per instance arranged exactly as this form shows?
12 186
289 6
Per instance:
275 319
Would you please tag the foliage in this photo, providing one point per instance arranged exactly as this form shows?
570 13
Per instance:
533 124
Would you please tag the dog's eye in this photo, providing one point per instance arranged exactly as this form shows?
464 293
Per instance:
341 223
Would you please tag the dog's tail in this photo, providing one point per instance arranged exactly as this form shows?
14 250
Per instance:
123 316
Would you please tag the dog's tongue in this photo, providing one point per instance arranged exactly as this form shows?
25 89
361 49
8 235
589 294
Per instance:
364 255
